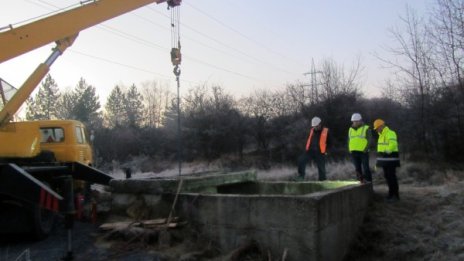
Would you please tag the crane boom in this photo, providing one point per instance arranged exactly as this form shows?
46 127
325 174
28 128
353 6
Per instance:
61 28
17 41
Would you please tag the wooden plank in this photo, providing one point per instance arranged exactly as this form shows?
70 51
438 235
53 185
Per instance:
151 223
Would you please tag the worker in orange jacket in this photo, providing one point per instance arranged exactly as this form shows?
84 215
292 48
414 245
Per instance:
315 150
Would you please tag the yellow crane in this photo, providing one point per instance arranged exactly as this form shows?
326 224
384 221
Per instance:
36 156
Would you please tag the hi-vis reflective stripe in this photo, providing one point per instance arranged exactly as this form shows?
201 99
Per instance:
388 159
48 201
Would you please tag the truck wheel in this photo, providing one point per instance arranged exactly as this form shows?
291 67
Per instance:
43 221
14 218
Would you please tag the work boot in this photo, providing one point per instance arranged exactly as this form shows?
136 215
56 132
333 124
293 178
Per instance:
392 199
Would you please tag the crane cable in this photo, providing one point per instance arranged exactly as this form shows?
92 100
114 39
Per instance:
176 56
176 59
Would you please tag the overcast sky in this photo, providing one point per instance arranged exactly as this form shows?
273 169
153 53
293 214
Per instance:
240 45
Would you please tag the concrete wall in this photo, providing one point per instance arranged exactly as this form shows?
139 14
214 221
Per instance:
315 226
318 226
141 198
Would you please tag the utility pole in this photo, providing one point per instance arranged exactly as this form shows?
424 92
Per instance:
313 93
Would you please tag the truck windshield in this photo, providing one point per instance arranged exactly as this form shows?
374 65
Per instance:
52 134
80 135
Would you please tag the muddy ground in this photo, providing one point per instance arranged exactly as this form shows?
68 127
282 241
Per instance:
426 224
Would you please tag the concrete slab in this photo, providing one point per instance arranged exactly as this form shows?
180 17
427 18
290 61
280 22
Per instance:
201 182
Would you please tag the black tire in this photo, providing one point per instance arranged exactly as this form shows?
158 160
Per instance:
43 221
21 218
14 218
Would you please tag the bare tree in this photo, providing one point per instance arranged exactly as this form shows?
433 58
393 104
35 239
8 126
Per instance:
156 101
196 99
212 125
447 32
296 96
415 67
259 108
336 79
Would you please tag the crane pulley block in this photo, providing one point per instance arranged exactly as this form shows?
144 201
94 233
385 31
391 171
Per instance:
176 56
173 3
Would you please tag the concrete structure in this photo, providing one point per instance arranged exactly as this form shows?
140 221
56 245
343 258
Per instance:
312 220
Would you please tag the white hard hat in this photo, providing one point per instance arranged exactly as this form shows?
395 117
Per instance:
315 121
356 117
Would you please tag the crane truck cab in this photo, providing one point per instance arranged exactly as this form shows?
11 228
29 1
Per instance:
35 158
61 140
68 140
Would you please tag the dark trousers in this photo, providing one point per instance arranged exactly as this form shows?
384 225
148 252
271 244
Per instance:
361 164
390 175
316 157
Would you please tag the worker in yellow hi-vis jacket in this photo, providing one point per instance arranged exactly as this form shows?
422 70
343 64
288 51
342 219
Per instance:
388 157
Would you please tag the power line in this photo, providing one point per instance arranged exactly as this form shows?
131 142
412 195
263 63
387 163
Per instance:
244 54
140 40
240 33
167 77
151 44
120 64
131 37
187 37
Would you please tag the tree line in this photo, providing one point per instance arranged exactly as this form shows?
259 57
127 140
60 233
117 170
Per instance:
423 102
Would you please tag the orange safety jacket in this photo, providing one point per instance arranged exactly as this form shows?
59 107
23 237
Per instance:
322 140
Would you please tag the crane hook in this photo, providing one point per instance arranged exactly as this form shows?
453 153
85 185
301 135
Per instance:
176 71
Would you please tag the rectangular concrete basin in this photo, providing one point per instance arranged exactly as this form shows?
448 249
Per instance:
310 220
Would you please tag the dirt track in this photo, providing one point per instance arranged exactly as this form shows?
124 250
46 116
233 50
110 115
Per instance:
426 224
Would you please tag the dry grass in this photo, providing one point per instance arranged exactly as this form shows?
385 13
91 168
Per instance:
425 225
335 171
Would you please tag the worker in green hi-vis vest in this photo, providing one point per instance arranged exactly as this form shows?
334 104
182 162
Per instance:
359 137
